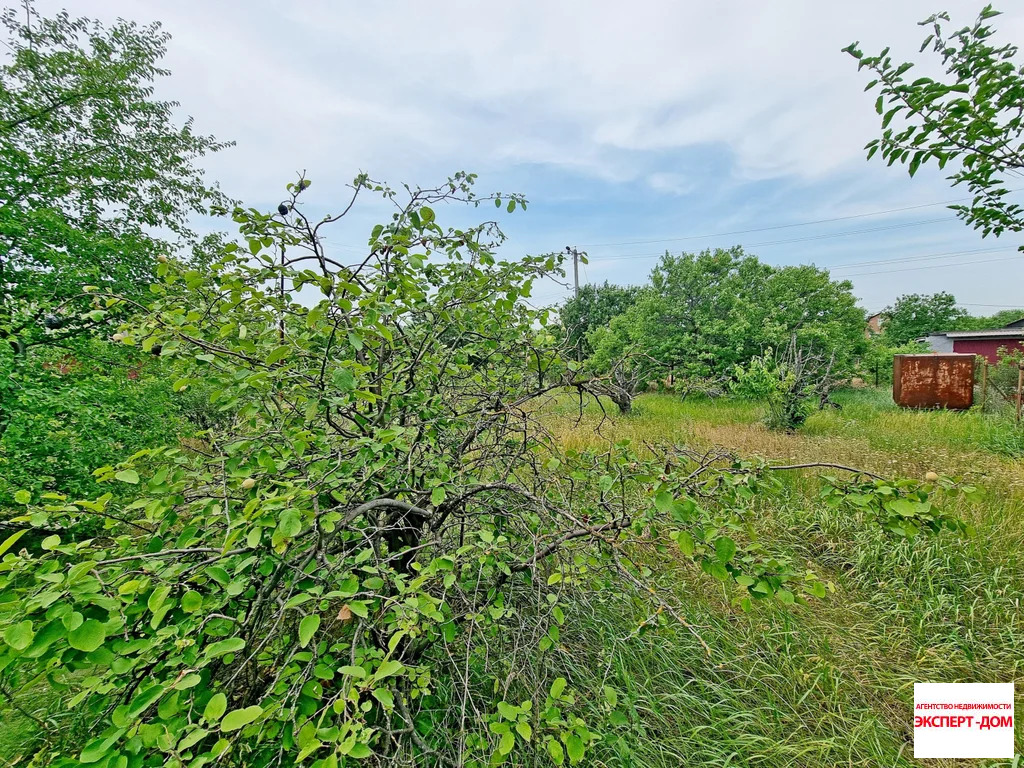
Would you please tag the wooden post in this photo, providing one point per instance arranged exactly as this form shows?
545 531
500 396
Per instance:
1020 388
984 383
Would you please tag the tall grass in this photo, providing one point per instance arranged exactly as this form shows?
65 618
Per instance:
871 414
821 685
830 683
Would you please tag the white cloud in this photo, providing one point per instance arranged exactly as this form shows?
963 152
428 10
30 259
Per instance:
410 88
733 114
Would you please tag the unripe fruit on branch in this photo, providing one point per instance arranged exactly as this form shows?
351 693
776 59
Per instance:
162 258
248 483
931 477
118 337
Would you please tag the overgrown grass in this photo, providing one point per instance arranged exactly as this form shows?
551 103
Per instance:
871 414
822 685
830 683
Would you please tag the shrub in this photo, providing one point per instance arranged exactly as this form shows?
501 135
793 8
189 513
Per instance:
794 384
759 379
369 559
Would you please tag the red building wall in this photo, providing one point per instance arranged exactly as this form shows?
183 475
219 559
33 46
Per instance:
987 348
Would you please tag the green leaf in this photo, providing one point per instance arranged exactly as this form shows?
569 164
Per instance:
437 496
508 741
556 752
279 354
725 548
192 738
384 696
221 647
157 598
87 637
344 380
618 719
96 749
611 696
19 636
128 476
188 681
215 707
557 687
663 502
360 751
22 497
307 628
11 540
239 718
508 711
290 524
906 508
686 543
524 730
574 746
387 669
191 601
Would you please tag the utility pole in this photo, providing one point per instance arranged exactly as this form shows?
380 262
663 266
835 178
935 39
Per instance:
576 253
575 267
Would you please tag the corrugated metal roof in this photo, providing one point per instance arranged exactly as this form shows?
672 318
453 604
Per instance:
994 333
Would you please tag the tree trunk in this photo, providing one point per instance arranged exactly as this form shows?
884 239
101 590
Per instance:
622 399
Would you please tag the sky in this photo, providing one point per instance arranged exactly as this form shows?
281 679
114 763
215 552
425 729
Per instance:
631 128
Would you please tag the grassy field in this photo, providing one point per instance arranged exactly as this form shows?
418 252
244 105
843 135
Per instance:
829 684
832 683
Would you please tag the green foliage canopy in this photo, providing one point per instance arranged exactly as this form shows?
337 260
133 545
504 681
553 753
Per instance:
593 308
96 179
370 556
705 313
970 116
914 315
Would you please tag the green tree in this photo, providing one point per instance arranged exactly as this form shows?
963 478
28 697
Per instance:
914 315
97 181
705 313
594 307
970 116
81 410
1000 319
97 184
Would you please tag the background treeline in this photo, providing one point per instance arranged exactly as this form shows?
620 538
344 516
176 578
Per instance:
723 321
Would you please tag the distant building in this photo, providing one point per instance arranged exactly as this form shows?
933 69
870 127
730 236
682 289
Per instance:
939 343
874 326
986 343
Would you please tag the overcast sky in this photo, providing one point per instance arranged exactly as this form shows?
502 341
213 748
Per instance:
631 127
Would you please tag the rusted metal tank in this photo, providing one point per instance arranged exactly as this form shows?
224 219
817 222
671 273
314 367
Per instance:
933 381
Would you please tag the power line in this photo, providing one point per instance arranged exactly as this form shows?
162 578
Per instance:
969 262
825 236
904 259
783 226
935 266
995 306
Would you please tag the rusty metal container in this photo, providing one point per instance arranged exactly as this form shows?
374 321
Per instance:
933 381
